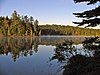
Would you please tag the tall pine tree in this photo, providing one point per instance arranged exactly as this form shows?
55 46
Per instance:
90 17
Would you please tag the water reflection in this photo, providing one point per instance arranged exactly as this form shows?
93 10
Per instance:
92 43
76 58
23 46
18 46
76 63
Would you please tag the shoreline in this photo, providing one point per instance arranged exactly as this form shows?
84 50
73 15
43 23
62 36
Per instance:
49 36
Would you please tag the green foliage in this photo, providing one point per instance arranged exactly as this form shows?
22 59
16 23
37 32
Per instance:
90 17
68 30
36 29
17 25
36 25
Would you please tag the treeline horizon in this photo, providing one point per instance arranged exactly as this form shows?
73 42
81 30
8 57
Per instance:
68 30
18 25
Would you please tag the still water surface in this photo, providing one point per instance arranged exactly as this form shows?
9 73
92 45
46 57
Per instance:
32 56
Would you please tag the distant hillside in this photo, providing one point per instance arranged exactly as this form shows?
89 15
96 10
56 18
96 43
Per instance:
68 30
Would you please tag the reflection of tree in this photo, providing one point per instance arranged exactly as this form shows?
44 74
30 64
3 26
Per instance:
92 43
66 50
52 40
82 65
78 64
17 46
63 51
36 44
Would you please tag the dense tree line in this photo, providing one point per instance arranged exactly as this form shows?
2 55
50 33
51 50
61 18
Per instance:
68 30
18 25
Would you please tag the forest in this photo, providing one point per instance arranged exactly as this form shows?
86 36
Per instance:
18 25
68 30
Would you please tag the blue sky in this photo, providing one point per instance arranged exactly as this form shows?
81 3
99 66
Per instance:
46 11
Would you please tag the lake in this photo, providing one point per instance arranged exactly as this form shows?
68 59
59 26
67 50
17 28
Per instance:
38 55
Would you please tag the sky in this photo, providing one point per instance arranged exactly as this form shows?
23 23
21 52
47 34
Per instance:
46 11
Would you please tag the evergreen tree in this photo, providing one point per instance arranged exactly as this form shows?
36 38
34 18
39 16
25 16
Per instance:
5 27
26 25
14 23
31 25
36 27
91 17
18 25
